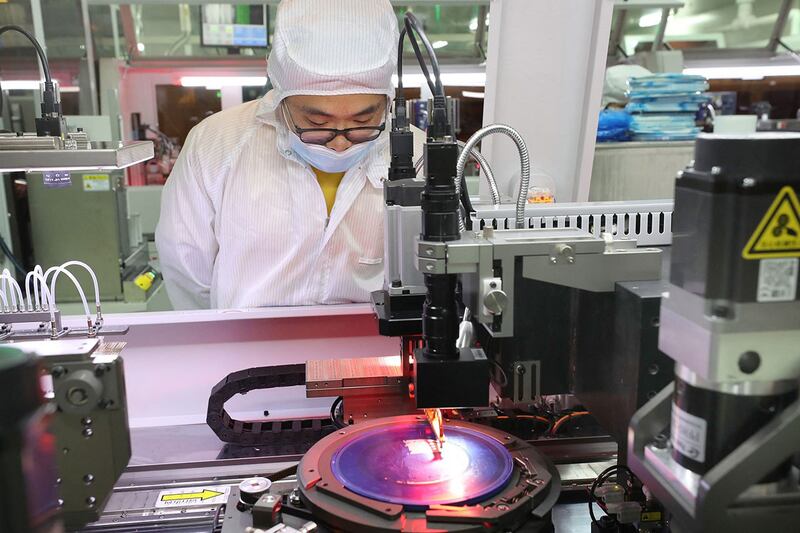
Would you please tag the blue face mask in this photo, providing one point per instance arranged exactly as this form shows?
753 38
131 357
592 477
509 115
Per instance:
327 160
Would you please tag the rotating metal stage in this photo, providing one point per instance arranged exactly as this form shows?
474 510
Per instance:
388 475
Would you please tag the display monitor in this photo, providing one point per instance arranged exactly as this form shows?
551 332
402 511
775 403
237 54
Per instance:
240 25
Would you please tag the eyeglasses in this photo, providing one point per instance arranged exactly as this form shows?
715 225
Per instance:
323 136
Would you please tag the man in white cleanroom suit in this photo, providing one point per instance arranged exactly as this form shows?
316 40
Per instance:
279 201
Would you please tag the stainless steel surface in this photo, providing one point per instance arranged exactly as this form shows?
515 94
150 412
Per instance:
637 171
402 226
780 25
739 388
648 222
30 141
102 157
658 41
683 482
694 335
71 349
90 225
566 256
89 50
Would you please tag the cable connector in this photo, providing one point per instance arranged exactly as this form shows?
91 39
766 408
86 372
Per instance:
439 126
401 143
51 122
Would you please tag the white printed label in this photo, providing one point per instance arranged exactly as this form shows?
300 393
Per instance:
193 496
478 354
777 280
688 434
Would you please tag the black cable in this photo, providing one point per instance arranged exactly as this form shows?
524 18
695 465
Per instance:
400 60
11 257
599 480
217 514
335 419
417 26
421 60
39 51
413 26
467 203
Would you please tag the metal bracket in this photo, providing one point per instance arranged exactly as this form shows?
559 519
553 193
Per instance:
527 381
716 503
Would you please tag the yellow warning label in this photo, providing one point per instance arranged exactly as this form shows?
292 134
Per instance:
651 516
778 233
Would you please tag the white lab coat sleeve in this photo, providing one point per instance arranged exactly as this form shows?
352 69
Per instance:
185 237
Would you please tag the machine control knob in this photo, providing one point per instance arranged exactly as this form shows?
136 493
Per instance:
495 301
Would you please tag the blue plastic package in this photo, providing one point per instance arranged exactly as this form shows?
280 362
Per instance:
613 125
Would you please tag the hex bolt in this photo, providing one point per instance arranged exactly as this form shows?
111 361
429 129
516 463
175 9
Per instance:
88 432
747 183
90 501
58 372
86 421
520 370
88 479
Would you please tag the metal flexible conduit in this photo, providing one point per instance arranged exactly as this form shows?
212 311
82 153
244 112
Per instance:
486 169
525 164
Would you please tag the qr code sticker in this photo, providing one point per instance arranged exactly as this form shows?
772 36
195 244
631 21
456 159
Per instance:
777 280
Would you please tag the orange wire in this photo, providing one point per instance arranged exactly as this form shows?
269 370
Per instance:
526 417
561 421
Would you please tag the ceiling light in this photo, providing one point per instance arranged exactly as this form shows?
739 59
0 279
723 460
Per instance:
744 72
217 82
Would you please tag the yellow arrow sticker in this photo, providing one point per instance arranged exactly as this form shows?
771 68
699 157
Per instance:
192 496
778 233
206 494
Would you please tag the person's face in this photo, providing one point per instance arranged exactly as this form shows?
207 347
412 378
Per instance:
338 112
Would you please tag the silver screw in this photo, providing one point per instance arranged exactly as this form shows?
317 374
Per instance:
748 183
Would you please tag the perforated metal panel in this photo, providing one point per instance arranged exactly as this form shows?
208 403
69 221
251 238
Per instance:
650 223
